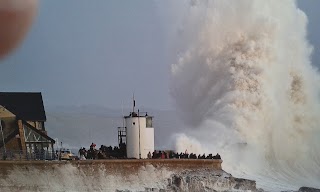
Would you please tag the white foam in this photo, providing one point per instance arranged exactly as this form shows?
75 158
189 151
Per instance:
71 178
245 86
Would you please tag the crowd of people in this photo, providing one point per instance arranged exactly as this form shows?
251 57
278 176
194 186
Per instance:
185 155
116 152
103 152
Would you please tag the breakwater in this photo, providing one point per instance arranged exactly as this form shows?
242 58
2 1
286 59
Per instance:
99 175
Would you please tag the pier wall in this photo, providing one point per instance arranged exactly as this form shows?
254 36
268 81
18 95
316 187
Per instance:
96 175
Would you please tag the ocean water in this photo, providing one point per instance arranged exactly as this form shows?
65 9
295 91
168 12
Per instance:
244 85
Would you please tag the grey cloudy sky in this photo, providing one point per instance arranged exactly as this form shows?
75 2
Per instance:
82 52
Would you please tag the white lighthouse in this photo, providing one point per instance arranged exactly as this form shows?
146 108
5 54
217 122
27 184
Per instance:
139 134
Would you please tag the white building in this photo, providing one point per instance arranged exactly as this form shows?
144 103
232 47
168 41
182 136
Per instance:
139 135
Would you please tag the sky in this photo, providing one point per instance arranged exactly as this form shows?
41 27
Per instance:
100 53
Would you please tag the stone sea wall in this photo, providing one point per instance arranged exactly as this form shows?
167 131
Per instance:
119 175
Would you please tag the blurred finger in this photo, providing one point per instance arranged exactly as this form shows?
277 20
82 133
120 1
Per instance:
15 19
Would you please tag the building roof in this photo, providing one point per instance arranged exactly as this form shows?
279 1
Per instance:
27 106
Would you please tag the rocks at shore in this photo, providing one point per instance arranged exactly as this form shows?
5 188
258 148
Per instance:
209 180
305 189
213 181
308 189
205 180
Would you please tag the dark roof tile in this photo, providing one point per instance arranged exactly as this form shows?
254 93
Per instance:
25 105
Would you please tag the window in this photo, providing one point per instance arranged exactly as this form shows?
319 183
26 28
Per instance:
149 122
39 125
32 136
3 124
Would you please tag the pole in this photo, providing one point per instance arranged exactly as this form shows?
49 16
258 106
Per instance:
60 151
134 103
123 120
123 125
139 135
4 145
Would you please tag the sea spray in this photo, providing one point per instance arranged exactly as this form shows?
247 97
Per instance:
244 86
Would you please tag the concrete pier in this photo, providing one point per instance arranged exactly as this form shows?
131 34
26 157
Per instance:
97 175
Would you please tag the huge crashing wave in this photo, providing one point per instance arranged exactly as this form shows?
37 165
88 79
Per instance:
244 86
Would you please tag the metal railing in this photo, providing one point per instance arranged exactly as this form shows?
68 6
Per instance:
20 155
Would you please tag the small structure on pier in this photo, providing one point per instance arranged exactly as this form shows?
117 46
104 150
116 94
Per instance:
137 134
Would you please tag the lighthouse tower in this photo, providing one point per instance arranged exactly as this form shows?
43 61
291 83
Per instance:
139 134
